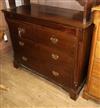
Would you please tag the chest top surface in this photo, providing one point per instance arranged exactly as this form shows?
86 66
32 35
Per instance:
53 14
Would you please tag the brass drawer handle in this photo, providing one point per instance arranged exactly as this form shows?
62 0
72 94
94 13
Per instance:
21 43
24 58
55 73
54 40
20 31
55 56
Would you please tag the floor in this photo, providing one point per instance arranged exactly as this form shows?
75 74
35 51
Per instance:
26 90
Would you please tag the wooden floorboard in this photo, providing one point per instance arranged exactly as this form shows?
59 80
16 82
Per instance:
27 90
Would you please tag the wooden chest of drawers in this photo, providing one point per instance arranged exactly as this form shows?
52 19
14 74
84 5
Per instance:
55 46
92 89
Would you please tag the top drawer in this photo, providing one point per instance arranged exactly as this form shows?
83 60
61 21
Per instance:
65 40
22 29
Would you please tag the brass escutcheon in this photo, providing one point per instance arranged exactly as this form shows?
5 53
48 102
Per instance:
55 73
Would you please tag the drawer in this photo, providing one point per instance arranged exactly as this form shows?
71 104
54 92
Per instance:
44 53
95 87
96 69
37 49
60 76
62 40
57 73
97 53
22 30
48 70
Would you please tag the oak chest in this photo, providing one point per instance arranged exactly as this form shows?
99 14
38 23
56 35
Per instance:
52 41
92 89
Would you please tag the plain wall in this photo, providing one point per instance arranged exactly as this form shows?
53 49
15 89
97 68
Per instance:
70 4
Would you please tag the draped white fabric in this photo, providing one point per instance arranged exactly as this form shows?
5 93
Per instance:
7 4
18 2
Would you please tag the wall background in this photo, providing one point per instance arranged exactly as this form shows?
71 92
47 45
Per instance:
71 4
4 47
2 21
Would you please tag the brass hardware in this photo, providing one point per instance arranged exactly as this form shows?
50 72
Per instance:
53 40
76 84
24 58
55 73
55 56
21 43
20 31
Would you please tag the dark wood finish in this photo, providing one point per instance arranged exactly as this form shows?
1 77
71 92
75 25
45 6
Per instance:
26 2
41 11
53 41
98 2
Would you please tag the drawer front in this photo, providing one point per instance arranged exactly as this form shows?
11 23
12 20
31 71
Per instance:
47 61
95 87
22 30
96 69
40 52
97 53
47 69
64 41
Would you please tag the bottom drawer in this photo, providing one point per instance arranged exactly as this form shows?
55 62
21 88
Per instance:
95 87
58 74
